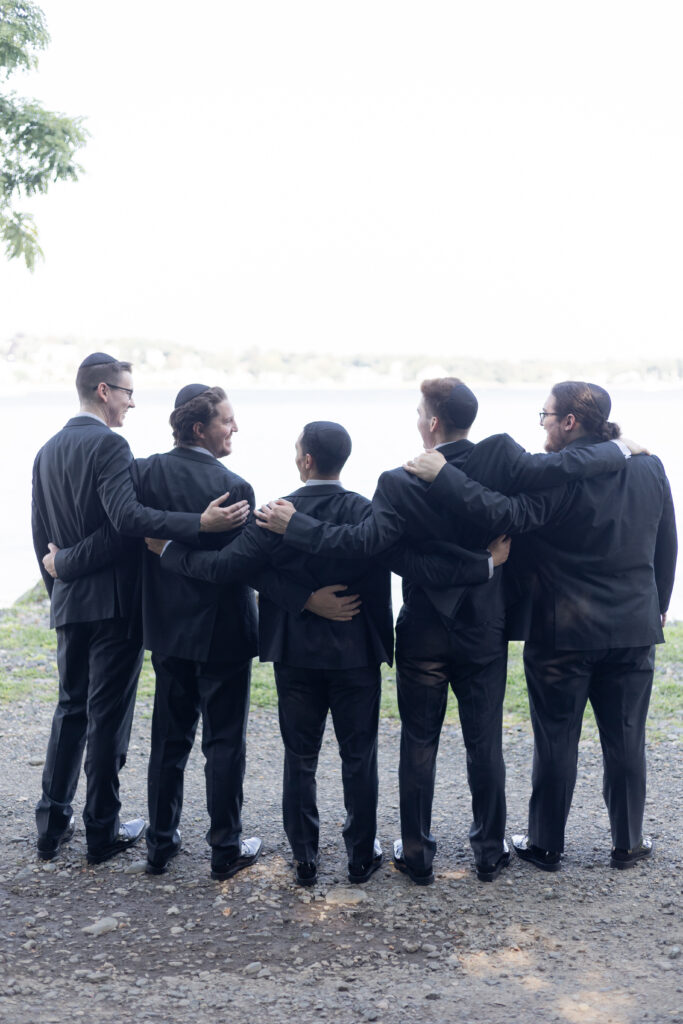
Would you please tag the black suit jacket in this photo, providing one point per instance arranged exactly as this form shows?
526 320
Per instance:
183 617
400 508
602 560
81 477
299 638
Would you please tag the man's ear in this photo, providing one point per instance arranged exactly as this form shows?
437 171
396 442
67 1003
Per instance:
198 431
569 421
309 461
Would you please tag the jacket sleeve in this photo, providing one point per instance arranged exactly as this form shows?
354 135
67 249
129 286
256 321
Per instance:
100 548
666 550
39 532
281 589
238 562
436 564
380 529
497 512
527 472
120 502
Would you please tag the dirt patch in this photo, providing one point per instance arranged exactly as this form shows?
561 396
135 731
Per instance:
588 944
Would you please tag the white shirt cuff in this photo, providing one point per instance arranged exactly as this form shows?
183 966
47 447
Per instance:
625 450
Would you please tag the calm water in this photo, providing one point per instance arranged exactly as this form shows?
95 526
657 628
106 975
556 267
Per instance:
381 423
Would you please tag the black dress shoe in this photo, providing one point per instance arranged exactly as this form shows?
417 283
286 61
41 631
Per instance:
546 860
159 865
129 833
251 849
424 878
306 872
489 872
629 858
359 873
49 848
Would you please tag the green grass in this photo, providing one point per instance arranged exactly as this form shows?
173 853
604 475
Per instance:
28 669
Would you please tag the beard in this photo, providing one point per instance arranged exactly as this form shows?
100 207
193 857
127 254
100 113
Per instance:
552 444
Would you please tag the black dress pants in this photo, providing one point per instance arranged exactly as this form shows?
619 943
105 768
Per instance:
618 683
98 666
476 669
304 698
219 691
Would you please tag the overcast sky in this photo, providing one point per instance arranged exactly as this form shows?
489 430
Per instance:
496 178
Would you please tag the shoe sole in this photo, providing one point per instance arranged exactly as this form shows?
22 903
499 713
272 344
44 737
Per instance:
100 858
240 865
306 881
417 879
367 875
490 876
541 865
623 865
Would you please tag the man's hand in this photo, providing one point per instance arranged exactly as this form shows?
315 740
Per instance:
324 603
155 545
500 549
275 515
634 447
218 519
427 466
663 619
49 560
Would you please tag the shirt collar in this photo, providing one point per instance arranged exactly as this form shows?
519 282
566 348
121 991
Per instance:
196 448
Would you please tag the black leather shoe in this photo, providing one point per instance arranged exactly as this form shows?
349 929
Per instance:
129 833
49 848
399 863
546 860
251 849
307 871
489 872
629 858
359 873
158 866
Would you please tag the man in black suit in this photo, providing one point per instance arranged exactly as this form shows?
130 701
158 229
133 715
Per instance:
455 637
602 570
325 665
81 477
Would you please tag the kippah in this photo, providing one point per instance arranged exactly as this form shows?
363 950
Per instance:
97 359
461 406
189 392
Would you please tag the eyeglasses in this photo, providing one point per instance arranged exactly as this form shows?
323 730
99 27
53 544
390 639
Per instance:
116 387
542 415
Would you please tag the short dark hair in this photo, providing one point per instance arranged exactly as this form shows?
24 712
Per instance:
328 443
201 409
88 377
589 403
451 400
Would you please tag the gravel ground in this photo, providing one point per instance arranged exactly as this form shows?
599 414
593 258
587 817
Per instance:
588 944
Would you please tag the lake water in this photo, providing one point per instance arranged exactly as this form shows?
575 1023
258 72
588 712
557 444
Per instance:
381 423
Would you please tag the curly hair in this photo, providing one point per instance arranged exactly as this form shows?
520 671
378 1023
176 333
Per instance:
201 409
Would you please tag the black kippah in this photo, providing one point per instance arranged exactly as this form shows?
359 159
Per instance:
189 392
461 406
97 359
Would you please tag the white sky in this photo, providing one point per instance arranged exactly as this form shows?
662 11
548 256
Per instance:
496 178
